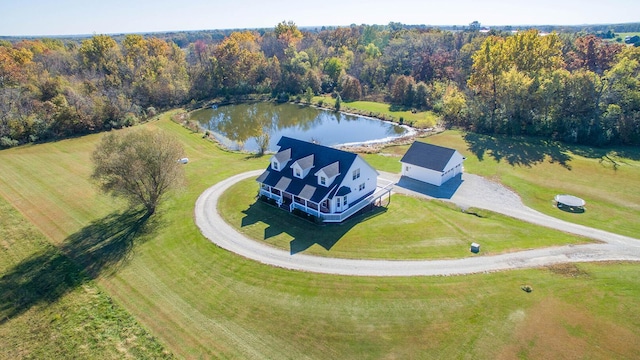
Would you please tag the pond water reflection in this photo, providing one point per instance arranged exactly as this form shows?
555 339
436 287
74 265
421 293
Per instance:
258 126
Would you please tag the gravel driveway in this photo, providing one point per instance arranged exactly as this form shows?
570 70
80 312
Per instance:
466 191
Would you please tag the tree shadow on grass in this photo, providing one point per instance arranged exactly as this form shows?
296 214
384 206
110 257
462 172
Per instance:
99 248
518 151
304 233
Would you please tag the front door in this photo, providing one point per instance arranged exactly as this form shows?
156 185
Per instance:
341 203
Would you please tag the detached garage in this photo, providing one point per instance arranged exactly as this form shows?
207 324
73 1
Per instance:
431 163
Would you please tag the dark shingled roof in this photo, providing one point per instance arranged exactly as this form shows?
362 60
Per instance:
428 156
323 156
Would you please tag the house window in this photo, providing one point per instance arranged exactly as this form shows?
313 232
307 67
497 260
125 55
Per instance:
356 174
323 180
338 201
298 173
344 201
361 187
274 165
406 168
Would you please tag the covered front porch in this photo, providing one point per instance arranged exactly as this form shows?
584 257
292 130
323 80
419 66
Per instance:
289 202
322 210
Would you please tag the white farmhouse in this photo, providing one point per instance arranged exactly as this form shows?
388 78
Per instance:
431 163
327 183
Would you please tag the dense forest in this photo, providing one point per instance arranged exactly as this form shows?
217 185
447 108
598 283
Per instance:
572 87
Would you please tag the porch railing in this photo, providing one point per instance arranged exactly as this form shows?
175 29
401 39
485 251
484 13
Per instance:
379 193
334 218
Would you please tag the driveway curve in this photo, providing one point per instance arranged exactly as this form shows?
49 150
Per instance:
613 247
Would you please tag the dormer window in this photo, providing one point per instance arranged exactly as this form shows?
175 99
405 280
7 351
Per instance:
301 167
328 174
280 160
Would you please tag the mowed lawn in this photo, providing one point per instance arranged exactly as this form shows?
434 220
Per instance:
200 301
408 228
50 309
421 119
607 179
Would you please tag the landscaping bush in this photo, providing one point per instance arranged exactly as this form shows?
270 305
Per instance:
268 200
7 142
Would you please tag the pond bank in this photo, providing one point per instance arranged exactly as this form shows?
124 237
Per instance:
256 127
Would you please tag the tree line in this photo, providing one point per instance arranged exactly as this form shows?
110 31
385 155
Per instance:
572 87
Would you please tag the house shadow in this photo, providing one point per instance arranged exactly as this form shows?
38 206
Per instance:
444 191
46 276
305 233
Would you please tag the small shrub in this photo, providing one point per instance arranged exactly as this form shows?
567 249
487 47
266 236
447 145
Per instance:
7 142
151 111
526 288
268 200
130 119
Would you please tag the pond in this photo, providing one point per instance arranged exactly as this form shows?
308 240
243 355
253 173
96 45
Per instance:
257 127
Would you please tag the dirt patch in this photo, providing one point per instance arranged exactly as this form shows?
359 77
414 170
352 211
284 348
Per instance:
568 270
554 329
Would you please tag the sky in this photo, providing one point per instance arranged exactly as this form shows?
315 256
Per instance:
81 17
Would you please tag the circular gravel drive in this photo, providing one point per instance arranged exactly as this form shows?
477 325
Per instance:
614 247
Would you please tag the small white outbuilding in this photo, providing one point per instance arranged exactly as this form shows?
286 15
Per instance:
431 163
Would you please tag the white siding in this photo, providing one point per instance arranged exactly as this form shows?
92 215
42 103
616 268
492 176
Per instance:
368 176
422 174
453 168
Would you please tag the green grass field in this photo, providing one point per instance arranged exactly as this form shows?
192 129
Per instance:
607 179
409 228
49 307
200 301
421 120
621 36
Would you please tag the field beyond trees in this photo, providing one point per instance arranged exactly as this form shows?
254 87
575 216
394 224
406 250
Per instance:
199 301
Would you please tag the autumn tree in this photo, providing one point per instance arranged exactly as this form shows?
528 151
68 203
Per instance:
403 91
333 67
240 60
139 165
288 33
591 53
351 89
101 55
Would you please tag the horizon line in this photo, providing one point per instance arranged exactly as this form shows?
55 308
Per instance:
303 27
